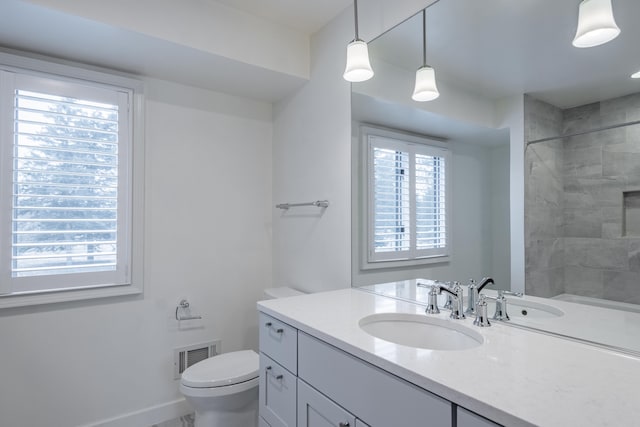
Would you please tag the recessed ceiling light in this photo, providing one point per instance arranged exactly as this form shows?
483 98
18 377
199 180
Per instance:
636 75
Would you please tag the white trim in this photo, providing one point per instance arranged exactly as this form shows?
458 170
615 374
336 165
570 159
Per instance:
148 416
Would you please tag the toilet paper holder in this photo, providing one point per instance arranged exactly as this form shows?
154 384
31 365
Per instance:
183 312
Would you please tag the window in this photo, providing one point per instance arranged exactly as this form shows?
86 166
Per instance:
66 210
407 199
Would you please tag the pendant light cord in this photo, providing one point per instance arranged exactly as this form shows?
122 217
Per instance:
424 37
355 15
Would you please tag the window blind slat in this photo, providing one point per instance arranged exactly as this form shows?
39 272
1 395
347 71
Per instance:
65 184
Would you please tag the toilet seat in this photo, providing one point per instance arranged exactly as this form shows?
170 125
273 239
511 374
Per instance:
223 374
219 391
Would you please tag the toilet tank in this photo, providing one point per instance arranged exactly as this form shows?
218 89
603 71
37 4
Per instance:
281 292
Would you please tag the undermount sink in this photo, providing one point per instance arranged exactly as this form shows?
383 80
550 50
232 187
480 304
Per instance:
522 309
420 331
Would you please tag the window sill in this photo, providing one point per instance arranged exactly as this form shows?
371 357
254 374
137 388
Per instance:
31 299
379 265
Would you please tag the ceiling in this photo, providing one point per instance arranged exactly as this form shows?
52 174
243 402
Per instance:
497 48
307 16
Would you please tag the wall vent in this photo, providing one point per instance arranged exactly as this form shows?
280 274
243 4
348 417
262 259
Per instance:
186 356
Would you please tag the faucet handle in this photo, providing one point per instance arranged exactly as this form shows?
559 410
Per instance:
481 319
502 292
432 305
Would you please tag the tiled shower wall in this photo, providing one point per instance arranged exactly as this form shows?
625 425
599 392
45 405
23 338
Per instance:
582 200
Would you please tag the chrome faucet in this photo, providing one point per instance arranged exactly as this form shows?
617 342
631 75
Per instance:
482 319
501 304
474 291
457 308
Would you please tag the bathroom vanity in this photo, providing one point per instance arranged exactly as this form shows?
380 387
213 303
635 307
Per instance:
320 367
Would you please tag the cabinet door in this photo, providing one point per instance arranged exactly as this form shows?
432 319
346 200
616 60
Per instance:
360 423
277 394
469 419
316 410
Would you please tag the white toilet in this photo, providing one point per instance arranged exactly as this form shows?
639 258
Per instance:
223 389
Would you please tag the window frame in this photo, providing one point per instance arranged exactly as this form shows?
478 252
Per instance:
129 278
415 144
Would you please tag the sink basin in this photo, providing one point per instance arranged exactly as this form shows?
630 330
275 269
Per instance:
520 309
420 331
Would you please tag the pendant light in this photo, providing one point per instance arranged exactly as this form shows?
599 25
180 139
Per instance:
425 89
358 68
596 24
636 75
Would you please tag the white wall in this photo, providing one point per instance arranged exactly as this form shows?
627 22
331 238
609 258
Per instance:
311 161
499 211
207 238
511 115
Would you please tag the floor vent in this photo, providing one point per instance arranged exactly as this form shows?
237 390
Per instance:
186 356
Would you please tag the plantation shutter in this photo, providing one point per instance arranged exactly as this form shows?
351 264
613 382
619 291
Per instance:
65 182
407 200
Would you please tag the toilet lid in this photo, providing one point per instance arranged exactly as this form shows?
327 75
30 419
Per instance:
222 370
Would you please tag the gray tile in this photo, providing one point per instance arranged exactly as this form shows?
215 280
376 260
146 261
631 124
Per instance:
634 255
623 286
583 162
587 282
620 164
610 254
544 283
544 254
611 230
582 222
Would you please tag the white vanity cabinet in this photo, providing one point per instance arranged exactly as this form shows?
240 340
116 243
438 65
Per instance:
469 419
316 410
306 382
278 367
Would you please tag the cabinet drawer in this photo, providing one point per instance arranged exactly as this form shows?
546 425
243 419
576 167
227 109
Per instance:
277 393
279 341
338 375
316 410
469 419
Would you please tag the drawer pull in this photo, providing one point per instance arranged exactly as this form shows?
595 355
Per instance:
278 377
343 424
269 324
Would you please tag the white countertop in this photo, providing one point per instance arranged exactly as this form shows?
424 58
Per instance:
614 328
516 378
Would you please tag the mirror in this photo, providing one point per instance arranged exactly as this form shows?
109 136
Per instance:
573 142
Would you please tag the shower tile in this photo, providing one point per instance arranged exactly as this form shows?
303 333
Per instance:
620 164
583 162
581 118
544 254
611 230
634 255
582 141
583 281
623 286
597 253
545 283
625 104
542 120
582 222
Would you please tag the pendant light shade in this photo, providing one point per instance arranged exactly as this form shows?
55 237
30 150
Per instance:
425 88
358 67
636 75
596 24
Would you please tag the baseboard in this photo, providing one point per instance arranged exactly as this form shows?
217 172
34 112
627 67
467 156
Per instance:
148 416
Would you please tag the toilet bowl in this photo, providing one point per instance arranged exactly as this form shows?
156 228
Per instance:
223 389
